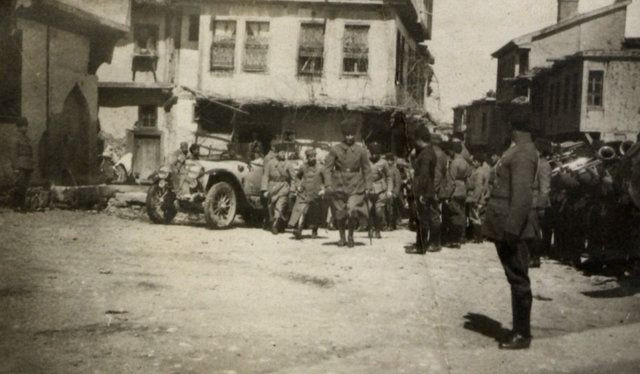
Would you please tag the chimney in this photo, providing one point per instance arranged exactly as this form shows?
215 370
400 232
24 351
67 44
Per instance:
567 9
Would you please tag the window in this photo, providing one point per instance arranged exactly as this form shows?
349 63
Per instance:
594 93
194 27
147 116
223 46
399 58
256 47
146 39
311 52
355 47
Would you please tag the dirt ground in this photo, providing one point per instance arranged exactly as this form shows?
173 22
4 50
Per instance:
84 292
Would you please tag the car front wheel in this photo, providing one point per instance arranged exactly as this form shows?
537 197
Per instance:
220 205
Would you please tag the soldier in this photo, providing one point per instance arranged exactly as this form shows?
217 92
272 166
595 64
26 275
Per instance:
382 184
350 181
275 187
459 171
542 201
511 224
255 147
441 190
22 165
311 179
393 207
476 194
194 152
424 166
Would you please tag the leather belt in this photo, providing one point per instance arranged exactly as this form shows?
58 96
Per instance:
347 170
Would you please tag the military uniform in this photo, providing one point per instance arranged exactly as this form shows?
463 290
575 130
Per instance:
427 232
393 206
350 172
542 202
382 186
276 180
23 167
456 218
441 191
310 181
512 225
476 192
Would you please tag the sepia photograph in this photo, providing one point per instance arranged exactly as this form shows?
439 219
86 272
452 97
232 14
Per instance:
320 186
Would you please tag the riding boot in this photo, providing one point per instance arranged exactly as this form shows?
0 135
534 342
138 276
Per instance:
351 224
435 244
341 224
274 227
314 232
297 233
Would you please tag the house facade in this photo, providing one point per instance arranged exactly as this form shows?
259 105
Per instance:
50 52
595 92
519 60
229 69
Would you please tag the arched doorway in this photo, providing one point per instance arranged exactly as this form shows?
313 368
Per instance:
70 139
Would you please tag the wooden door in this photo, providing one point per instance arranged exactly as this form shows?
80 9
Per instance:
147 154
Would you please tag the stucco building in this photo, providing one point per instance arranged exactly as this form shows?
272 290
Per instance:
232 68
595 92
519 60
50 52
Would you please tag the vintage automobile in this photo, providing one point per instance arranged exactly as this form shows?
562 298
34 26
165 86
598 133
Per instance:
220 185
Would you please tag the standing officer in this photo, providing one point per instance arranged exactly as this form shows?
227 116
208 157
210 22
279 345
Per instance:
393 207
511 224
22 166
441 189
350 181
478 182
275 187
382 184
459 171
424 166
311 179
542 201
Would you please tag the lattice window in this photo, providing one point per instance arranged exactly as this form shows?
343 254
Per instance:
147 116
355 49
223 46
311 51
595 91
256 47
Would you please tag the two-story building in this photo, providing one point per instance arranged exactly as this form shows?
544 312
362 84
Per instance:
595 92
521 58
50 51
233 68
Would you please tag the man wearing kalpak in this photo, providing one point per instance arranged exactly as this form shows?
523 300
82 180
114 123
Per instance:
350 170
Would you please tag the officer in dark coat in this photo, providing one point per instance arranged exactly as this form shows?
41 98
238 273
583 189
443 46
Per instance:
350 170
442 191
424 166
310 180
276 180
511 223
22 165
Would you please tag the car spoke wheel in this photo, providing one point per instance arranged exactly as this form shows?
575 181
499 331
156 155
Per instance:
220 205
157 210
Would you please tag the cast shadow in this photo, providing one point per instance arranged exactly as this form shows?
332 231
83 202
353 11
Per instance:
486 326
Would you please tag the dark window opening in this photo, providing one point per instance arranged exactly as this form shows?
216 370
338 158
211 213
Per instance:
256 47
147 116
567 90
356 49
576 92
194 28
595 91
400 42
223 47
311 50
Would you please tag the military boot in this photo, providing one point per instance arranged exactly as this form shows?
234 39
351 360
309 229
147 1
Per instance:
350 242
342 241
274 227
314 232
435 244
297 233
